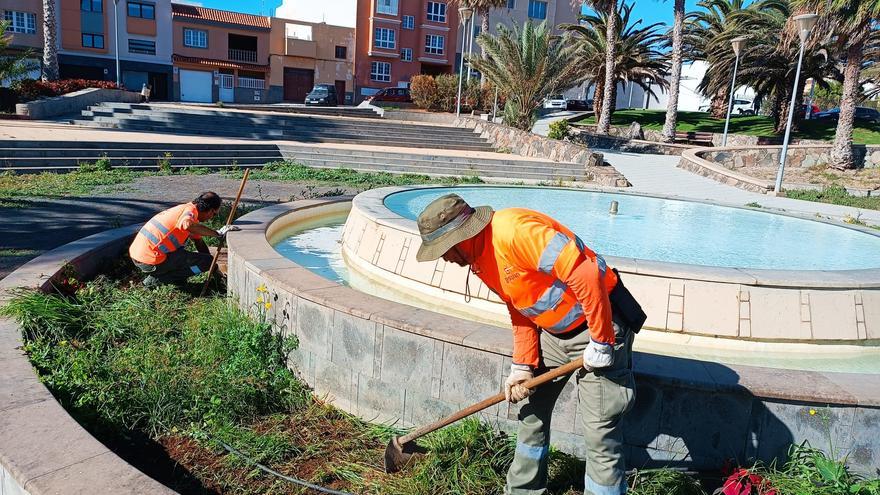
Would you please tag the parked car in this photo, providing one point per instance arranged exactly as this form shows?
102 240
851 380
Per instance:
579 105
391 95
862 113
814 109
555 101
740 107
323 94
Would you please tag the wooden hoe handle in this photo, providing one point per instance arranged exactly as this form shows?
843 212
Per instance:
491 401
229 219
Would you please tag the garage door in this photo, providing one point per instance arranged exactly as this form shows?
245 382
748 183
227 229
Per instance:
196 85
297 83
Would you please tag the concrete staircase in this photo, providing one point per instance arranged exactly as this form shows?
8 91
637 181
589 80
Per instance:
363 113
65 156
301 128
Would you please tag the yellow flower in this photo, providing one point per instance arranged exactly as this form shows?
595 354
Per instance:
268 305
262 288
812 412
62 343
260 299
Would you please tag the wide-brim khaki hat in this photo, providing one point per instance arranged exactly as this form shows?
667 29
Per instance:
445 222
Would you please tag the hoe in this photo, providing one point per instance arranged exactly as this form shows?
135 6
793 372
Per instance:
401 449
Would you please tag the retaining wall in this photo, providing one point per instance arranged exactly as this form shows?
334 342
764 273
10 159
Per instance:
391 362
734 157
42 449
73 102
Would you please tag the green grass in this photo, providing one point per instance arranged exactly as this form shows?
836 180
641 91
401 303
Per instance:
836 195
296 172
50 184
810 471
752 125
17 252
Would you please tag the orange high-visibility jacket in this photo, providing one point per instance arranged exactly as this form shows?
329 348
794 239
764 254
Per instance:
548 278
164 233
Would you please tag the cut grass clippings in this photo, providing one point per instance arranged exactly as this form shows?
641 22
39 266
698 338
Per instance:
296 172
750 125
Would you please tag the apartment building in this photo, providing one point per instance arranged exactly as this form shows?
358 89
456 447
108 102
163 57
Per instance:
87 37
397 39
302 54
220 55
25 29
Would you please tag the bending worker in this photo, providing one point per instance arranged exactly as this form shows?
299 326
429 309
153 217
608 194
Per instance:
557 292
158 248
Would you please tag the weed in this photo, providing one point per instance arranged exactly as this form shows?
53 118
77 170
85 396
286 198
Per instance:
17 252
663 482
754 204
836 195
503 149
47 184
12 203
164 163
854 220
102 164
559 129
219 104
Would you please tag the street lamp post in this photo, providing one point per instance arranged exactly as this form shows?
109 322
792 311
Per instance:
464 14
805 24
116 38
737 44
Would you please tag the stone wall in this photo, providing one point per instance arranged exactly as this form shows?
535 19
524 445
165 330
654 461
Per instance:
734 157
73 102
529 144
393 363
592 140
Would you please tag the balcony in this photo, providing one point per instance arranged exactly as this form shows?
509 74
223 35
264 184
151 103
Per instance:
251 83
301 48
243 55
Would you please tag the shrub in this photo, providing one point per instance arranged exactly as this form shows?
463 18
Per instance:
101 165
559 130
447 92
30 89
423 90
164 163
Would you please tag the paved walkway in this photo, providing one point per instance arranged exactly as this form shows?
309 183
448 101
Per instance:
542 126
659 174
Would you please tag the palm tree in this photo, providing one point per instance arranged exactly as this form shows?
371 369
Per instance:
850 23
637 56
675 74
50 49
482 7
527 64
609 7
13 65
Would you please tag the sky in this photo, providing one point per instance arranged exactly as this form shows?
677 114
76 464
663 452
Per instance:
340 11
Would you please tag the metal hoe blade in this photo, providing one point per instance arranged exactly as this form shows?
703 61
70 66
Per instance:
397 456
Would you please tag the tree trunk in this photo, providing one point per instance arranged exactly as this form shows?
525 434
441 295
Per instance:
841 151
675 74
484 28
598 96
50 50
718 104
610 58
784 103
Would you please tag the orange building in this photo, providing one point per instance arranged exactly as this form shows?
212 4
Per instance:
397 39
220 55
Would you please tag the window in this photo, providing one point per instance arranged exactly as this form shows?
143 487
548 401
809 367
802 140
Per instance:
511 4
299 31
406 54
537 9
384 38
437 11
434 44
142 10
380 71
195 38
386 7
342 52
409 22
92 6
93 40
142 46
21 22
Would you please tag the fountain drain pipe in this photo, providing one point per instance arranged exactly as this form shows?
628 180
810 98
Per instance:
271 471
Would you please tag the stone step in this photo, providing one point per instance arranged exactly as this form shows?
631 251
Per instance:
136 145
73 162
281 135
436 170
111 152
294 110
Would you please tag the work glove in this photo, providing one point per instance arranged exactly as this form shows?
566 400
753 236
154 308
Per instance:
513 389
228 228
598 355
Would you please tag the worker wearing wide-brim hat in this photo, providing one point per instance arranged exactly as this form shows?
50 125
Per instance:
564 303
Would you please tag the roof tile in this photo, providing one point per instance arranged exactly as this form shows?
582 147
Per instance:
224 16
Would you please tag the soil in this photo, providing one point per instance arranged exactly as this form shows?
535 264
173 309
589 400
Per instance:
868 178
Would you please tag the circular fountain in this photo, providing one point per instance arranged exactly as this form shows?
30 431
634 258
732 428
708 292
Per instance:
754 319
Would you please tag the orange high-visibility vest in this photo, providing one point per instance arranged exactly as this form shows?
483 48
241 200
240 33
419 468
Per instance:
525 259
162 235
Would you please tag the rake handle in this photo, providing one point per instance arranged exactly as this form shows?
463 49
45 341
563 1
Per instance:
244 179
491 401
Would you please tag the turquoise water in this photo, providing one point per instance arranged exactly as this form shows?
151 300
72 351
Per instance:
675 231
317 249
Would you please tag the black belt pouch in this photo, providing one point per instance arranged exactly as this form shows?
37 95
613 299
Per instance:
625 305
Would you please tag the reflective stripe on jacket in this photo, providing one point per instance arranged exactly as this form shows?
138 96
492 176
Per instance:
526 259
163 234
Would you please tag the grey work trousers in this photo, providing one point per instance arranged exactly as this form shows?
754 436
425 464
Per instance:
178 266
604 396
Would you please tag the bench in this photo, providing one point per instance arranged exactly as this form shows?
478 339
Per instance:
692 137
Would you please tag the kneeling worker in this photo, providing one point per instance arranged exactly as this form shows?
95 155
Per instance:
564 302
158 248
